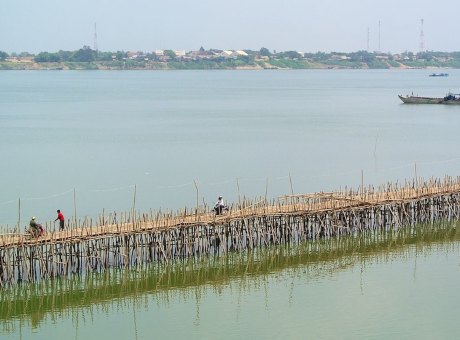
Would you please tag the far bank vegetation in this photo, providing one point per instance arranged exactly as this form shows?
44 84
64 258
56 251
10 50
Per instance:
202 59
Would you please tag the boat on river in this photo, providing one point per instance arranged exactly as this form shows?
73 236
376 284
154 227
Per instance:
439 75
449 99
420 100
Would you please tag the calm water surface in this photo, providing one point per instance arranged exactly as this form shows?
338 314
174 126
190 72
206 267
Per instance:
395 285
100 133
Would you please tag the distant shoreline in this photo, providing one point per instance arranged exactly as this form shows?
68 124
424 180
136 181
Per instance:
165 66
212 59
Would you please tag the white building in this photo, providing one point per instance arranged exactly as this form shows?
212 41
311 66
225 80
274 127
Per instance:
239 53
226 54
180 53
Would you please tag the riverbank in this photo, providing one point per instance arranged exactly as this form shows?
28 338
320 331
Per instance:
236 64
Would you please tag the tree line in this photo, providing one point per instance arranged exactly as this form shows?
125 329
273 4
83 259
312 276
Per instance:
88 55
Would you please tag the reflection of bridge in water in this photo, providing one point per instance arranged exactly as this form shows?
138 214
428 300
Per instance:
134 239
311 259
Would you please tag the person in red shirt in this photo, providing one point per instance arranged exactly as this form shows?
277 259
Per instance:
60 217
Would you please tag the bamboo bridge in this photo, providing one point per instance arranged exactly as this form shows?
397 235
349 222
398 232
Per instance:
133 239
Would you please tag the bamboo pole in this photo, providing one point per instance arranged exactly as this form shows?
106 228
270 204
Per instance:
19 215
75 206
197 198
238 187
134 205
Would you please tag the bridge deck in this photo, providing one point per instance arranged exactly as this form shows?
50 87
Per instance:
292 204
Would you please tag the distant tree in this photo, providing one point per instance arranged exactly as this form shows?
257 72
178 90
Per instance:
250 58
290 55
362 56
46 57
321 56
85 54
25 54
151 56
264 52
425 55
65 55
308 55
170 53
121 55
105 56
251 52
3 55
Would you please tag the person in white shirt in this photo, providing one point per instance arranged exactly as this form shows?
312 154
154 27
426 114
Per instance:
219 206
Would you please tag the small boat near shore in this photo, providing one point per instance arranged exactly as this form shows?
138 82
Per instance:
439 75
449 99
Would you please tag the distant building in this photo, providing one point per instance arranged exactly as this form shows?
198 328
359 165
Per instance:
164 58
442 59
226 54
215 52
20 59
339 57
180 53
263 57
200 54
132 55
239 53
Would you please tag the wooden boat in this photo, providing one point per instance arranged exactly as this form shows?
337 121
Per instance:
449 99
420 100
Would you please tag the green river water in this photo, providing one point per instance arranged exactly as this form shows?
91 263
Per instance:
398 285
82 141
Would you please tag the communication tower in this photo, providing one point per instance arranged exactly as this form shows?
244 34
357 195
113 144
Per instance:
379 36
95 38
422 38
368 33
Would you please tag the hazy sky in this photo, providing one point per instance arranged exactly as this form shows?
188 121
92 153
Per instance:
302 25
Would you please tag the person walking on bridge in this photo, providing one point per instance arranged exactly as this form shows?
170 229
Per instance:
61 219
